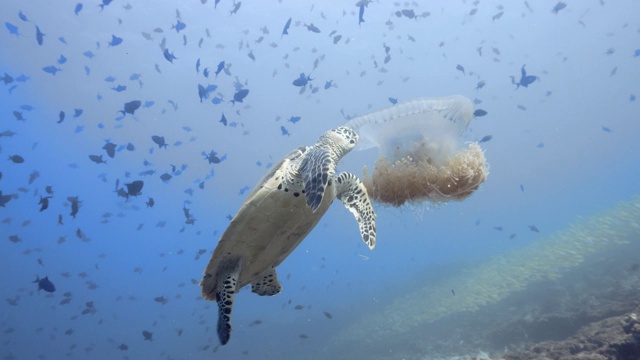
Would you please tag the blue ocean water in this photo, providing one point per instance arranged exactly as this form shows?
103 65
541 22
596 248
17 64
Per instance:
77 76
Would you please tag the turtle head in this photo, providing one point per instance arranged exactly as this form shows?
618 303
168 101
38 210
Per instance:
341 140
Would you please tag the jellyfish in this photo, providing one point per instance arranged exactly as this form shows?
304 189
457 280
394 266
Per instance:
421 153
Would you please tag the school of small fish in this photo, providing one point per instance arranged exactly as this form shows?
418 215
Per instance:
155 135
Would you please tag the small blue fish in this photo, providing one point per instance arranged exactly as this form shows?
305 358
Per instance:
313 28
8 79
521 188
606 129
285 31
223 120
13 30
62 59
115 41
302 80
361 15
198 66
480 85
61 117
109 79
18 116
240 95
559 6
22 78
148 103
636 53
328 84
179 26
88 54
632 97
525 80
78 8
485 139
460 68
104 3
131 107
284 131
77 113
119 88
294 119
219 68
51 69
22 16
169 56
480 113
39 36
393 100
205 72
62 40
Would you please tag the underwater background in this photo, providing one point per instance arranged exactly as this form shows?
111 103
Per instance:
91 91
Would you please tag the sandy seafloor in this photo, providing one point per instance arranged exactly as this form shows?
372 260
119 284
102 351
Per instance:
541 262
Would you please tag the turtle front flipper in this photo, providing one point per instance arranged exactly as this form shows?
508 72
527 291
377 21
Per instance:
316 169
351 191
267 285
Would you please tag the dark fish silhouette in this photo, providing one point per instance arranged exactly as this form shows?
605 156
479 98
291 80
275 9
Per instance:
134 188
240 95
223 120
302 80
525 80
460 68
16 159
13 30
45 284
312 28
131 107
159 140
219 68
150 202
361 14
211 157
294 119
559 6
61 117
285 31
485 139
44 202
4 199
39 36
97 159
78 8
75 205
147 335
169 56
480 84
110 148
115 41
51 69
479 113
533 228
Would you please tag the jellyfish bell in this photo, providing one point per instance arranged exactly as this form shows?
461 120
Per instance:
421 154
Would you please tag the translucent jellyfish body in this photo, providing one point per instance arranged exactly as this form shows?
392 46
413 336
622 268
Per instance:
421 153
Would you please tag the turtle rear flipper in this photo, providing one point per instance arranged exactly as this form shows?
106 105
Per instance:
226 290
267 285
351 191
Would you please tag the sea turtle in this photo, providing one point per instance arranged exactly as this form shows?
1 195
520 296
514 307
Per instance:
286 204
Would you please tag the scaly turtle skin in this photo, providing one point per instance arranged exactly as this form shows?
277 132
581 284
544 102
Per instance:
281 210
